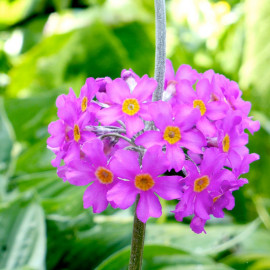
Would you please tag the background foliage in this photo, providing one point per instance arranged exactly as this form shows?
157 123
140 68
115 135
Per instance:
47 47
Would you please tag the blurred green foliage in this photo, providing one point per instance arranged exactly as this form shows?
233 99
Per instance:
47 47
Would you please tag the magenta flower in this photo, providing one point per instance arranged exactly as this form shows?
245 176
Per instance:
87 94
185 72
197 224
69 131
201 99
144 180
175 131
200 183
231 141
128 106
228 91
199 129
94 169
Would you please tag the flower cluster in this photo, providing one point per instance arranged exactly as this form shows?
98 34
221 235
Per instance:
117 142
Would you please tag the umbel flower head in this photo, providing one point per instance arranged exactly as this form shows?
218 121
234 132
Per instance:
121 145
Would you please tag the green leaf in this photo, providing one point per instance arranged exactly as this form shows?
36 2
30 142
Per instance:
217 239
30 116
6 138
160 257
22 236
12 12
66 60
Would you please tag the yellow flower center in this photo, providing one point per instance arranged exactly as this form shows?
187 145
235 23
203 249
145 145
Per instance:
172 134
104 175
76 133
201 183
84 104
131 106
197 103
144 181
226 143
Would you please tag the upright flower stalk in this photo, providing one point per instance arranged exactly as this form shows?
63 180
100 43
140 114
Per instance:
139 227
160 56
120 137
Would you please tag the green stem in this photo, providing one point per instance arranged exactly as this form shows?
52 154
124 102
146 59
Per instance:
137 242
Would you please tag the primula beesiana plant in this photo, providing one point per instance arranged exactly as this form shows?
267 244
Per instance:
119 141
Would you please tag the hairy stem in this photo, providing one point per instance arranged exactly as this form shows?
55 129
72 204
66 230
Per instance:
160 57
118 136
137 242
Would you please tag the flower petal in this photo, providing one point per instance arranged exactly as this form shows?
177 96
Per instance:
193 140
202 205
123 194
161 114
109 115
154 155
185 92
206 127
79 173
90 198
144 111
203 90
216 110
94 151
125 164
144 88
148 206
118 91
150 138
175 156
186 117
168 187
134 124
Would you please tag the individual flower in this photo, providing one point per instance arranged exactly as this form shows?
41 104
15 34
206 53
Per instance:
69 132
175 130
130 77
101 93
144 180
201 99
228 91
185 72
130 107
231 141
87 95
201 182
93 169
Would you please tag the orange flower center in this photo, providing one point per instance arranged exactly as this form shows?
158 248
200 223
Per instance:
201 183
144 181
104 175
131 106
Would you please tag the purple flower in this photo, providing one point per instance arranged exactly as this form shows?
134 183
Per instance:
68 133
142 180
128 106
200 183
94 169
87 94
202 100
185 72
231 141
175 131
